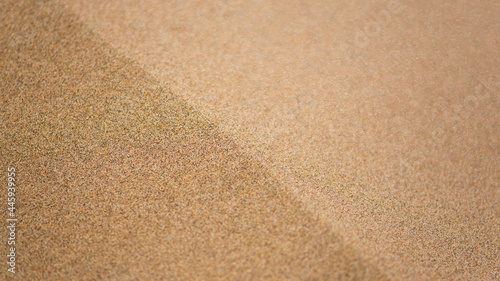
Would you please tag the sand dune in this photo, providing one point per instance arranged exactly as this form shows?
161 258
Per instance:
303 140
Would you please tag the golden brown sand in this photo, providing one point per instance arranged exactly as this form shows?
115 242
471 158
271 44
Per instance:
254 139
119 179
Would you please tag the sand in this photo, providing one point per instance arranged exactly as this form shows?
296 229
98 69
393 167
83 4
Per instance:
253 139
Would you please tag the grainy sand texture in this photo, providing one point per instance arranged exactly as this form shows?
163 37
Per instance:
251 140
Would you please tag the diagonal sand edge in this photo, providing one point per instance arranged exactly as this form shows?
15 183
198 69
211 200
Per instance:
119 179
396 133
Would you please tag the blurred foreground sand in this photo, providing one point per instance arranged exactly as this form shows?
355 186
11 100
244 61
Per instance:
369 129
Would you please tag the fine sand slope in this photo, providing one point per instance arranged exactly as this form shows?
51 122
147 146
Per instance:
292 140
119 179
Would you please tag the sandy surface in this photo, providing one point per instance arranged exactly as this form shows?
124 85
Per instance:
251 139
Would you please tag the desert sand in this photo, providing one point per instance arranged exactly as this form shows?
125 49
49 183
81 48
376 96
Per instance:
249 140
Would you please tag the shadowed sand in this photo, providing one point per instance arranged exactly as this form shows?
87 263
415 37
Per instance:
386 113
118 179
